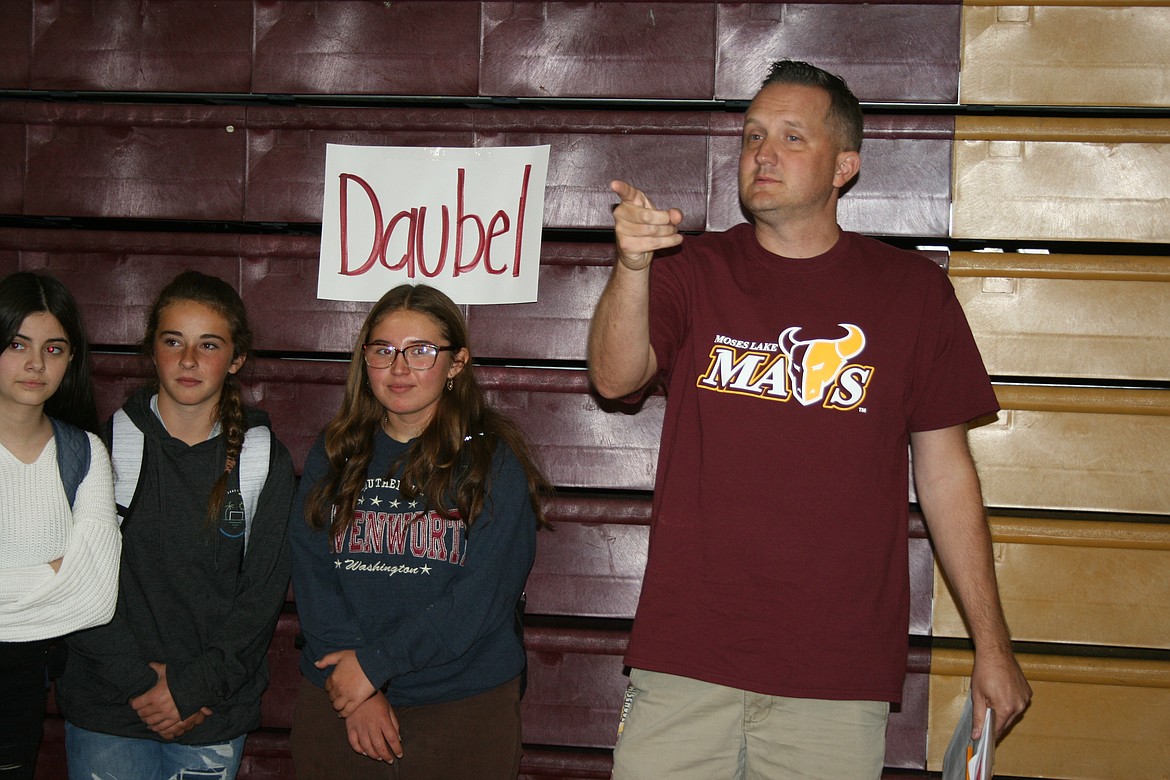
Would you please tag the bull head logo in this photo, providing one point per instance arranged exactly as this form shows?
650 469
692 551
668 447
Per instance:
814 365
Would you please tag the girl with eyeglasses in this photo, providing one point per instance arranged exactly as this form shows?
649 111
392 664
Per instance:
412 535
58 554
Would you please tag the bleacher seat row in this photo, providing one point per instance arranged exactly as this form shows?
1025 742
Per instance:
141 137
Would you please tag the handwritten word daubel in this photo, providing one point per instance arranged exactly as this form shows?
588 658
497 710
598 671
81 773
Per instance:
420 258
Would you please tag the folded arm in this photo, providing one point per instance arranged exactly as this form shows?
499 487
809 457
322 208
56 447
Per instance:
80 589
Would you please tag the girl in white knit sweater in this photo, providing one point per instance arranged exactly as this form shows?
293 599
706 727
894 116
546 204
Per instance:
58 563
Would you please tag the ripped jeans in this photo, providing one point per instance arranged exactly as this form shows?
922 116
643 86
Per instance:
95 756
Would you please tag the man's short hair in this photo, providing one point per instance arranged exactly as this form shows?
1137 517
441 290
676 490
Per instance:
844 110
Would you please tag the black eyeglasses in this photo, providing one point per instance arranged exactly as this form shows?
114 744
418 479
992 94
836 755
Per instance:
420 357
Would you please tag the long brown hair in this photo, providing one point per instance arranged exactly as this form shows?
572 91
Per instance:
221 297
451 459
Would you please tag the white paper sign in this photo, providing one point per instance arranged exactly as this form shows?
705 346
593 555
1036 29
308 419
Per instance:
467 221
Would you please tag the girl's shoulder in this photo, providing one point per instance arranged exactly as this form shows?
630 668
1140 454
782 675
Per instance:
256 418
316 461
504 458
76 452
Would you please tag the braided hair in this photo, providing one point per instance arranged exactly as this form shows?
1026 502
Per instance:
221 297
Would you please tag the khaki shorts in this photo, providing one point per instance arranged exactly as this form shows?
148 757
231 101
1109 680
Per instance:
684 729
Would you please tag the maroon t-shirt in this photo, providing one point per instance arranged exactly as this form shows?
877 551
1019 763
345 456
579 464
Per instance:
778 549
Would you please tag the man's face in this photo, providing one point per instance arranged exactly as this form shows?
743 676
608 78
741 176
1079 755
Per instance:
790 162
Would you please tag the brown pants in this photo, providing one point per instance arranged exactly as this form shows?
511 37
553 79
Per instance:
477 738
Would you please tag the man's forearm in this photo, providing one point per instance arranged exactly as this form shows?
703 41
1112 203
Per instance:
620 357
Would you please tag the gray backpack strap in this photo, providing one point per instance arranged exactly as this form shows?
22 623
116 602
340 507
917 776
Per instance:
126 445
126 448
253 472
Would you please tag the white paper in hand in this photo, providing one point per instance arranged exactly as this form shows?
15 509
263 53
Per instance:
968 759
983 750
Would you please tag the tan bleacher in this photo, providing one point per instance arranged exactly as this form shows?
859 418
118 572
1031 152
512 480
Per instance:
1057 179
1077 461
1069 316
1087 582
1083 449
1091 717
1065 53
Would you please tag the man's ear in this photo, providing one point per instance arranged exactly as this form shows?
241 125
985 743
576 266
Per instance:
848 166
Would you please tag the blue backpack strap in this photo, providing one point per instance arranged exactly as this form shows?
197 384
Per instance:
72 456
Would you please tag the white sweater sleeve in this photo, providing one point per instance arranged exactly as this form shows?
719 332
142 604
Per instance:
35 602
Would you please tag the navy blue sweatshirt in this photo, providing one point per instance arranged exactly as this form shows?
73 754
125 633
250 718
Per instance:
428 609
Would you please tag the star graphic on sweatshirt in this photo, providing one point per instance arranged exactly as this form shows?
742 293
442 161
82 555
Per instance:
337 564
412 504
394 504
375 501
426 570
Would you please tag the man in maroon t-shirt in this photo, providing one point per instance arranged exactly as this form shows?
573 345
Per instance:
799 362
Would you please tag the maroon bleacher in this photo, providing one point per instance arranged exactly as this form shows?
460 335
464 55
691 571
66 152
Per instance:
194 134
891 51
266 164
